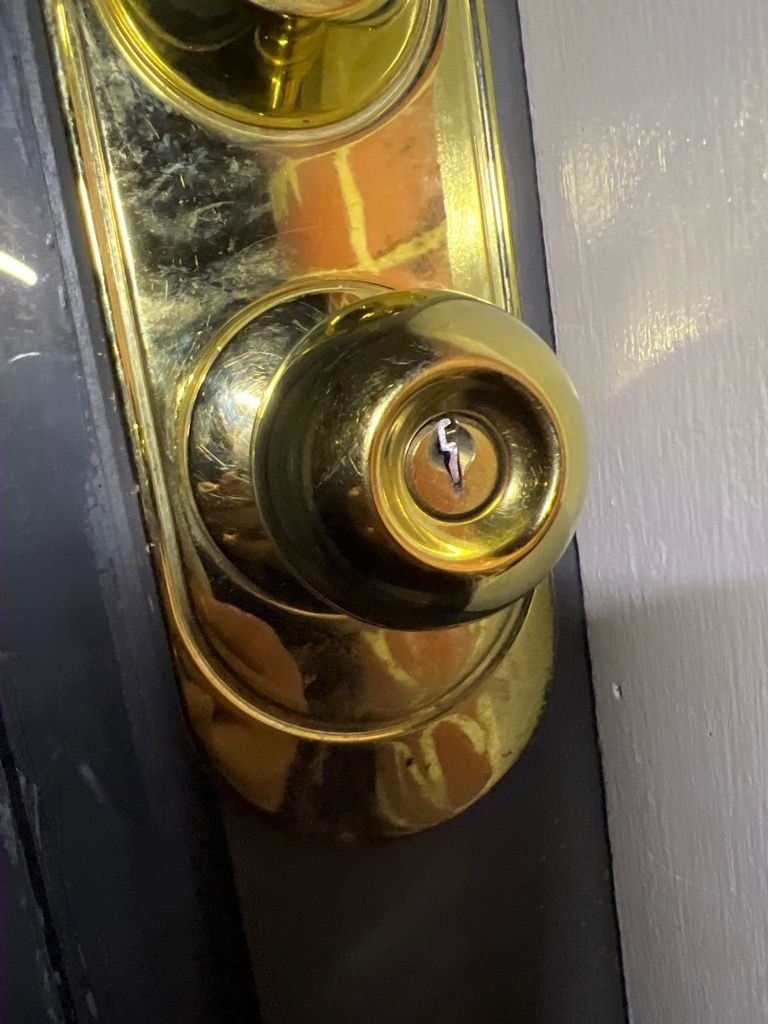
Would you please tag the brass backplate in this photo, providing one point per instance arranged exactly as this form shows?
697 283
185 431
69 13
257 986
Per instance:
330 725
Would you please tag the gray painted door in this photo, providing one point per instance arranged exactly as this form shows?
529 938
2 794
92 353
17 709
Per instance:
650 134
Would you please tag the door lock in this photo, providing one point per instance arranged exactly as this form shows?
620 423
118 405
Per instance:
356 477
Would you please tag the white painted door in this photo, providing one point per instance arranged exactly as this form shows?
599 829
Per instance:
650 123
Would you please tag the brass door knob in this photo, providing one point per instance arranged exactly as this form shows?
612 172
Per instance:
417 460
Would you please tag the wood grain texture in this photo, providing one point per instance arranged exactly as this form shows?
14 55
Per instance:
650 128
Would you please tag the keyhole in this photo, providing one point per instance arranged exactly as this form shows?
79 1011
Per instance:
447 443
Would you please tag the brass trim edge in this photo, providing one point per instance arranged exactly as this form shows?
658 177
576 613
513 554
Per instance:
489 140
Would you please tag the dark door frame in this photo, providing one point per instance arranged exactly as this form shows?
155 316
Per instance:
119 888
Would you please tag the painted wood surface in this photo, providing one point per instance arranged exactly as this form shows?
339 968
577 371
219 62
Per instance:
650 131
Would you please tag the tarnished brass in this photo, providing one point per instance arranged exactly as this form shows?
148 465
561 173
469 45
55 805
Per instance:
284 65
229 256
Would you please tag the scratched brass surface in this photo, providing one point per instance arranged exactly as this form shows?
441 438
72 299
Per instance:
328 723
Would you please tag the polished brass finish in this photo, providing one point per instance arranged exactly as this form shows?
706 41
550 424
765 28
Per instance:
418 776
331 459
288 50
218 252
245 69
194 26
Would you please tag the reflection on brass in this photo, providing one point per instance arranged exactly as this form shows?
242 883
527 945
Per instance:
217 423
227 258
417 778
287 65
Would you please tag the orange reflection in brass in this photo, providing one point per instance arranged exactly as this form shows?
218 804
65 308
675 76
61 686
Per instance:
414 780
435 773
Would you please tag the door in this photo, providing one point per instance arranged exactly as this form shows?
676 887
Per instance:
142 887
653 197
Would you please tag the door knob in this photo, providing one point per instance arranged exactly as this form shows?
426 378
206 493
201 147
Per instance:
416 461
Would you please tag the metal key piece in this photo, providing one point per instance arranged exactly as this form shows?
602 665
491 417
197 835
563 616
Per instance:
447 443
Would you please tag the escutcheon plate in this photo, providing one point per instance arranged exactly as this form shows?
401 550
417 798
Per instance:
331 725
